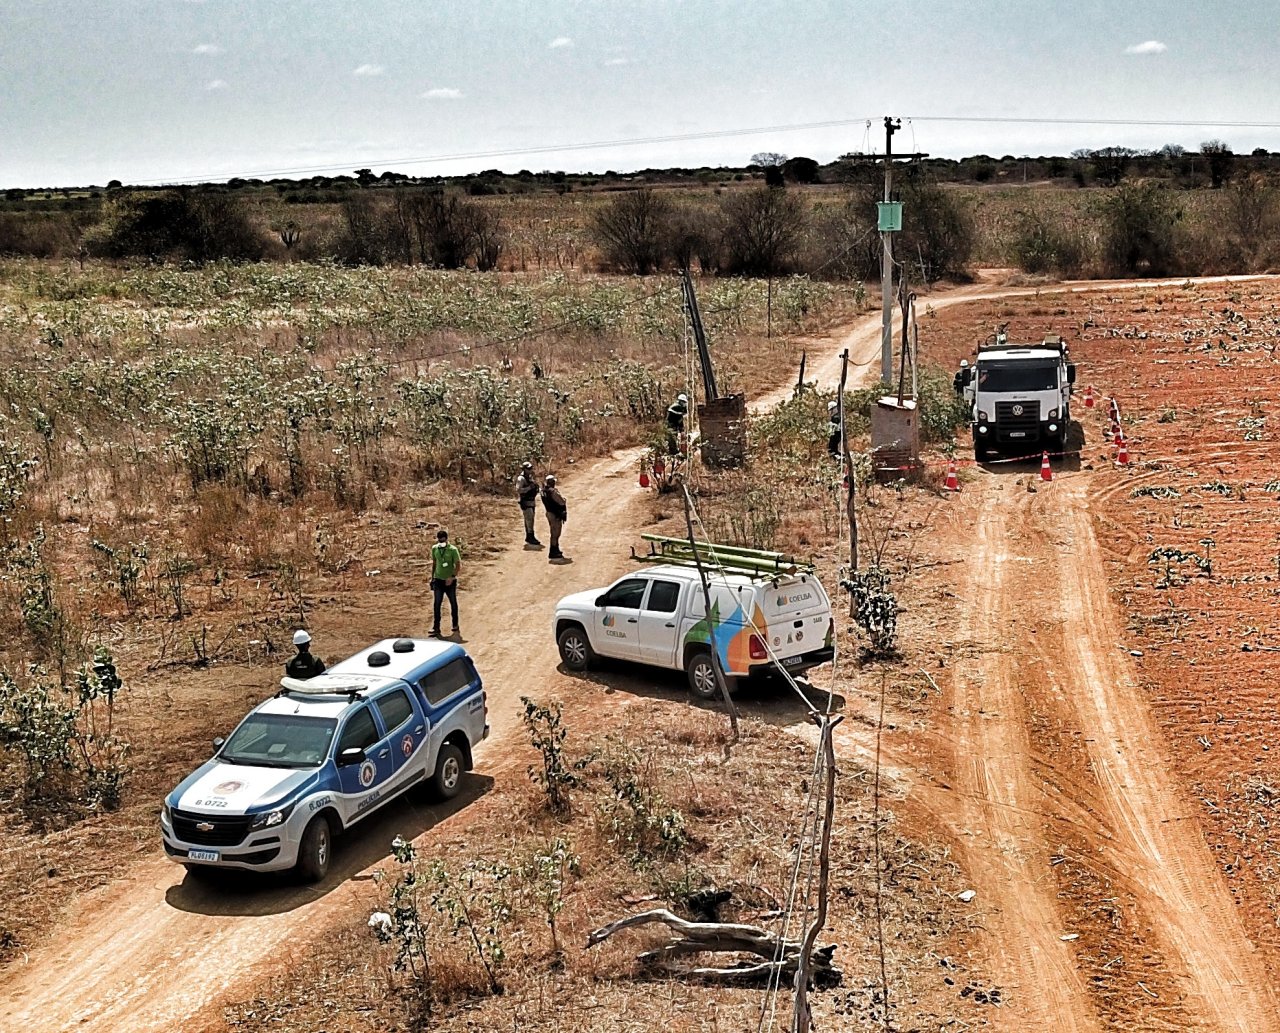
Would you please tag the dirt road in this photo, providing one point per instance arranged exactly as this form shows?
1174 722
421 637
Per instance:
156 952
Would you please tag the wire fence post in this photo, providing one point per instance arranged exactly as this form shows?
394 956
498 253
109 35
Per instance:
801 1016
711 625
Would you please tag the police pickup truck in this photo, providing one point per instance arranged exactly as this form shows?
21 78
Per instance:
658 616
324 753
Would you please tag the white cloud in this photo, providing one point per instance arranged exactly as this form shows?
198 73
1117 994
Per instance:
614 62
1151 46
206 48
216 84
442 93
559 43
369 70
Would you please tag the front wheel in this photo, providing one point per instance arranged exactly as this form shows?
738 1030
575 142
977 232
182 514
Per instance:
315 850
447 779
575 648
702 676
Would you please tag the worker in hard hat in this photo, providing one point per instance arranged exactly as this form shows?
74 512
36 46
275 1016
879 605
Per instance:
833 429
557 514
676 412
527 494
303 664
961 380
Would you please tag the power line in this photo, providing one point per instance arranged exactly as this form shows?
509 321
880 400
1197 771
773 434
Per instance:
710 134
511 152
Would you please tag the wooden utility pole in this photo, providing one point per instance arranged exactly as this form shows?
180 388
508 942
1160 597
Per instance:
850 482
801 1016
711 624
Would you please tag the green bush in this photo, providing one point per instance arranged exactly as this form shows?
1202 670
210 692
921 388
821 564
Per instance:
1140 236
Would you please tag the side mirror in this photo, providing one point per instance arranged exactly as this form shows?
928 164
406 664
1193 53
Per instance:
351 755
1071 373
602 600
218 743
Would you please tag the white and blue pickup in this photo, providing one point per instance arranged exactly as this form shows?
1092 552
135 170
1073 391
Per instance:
320 755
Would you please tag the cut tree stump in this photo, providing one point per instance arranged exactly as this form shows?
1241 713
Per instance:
781 956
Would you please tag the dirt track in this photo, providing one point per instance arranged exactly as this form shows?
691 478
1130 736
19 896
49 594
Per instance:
153 950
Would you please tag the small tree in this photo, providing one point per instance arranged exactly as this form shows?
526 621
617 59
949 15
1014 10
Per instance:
558 774
1140 232
763 229
1221 162
633 231
1111 163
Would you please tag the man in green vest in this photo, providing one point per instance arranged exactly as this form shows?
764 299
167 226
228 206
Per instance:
446 562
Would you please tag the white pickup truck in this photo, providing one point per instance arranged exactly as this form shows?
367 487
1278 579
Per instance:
658 616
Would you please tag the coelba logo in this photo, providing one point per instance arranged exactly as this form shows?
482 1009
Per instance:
791 600
608 620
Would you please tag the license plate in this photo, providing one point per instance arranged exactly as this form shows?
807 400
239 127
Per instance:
1017 433
203 855
791 661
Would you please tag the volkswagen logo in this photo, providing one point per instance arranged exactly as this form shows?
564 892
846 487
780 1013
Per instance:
205 826
1017 410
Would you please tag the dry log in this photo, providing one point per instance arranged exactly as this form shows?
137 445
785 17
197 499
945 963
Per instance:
782 956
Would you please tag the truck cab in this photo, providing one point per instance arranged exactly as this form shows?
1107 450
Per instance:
1020 396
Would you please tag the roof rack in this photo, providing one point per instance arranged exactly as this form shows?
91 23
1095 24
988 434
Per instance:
729 559
1000 339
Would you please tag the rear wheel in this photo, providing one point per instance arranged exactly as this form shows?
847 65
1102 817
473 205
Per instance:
447 779
575 648
702 675
315 850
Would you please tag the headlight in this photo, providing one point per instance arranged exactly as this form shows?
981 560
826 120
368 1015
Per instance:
982 430
1053 428
269 819
1053 414
166 812
982 416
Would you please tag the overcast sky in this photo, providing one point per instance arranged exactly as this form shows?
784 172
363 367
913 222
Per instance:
169 90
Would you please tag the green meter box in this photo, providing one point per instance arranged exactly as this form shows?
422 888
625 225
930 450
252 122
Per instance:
890 216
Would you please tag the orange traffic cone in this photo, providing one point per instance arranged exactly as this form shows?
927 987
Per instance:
1088 397
659 467
1114 408
1117 436
1122 455
1046 471
644 479
952 482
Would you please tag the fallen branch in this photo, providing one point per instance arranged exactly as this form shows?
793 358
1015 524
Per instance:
713 937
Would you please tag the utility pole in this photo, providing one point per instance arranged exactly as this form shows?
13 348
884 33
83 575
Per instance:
888 223
891 125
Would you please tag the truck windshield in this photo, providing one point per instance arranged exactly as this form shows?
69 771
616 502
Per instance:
280 741
1018 376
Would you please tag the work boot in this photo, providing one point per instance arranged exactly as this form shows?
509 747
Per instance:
555 555
435 633
530 540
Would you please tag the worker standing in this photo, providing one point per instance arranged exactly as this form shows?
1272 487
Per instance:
557 515
833 436
527 493
676 412
446 564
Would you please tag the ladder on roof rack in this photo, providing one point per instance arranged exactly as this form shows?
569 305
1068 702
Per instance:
730 559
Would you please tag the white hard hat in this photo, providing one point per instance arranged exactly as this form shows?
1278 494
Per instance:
832 405
551 478
682 398
964 363
301 638
526 465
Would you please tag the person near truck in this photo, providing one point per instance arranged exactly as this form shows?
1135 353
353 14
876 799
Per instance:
676 412
527 493
557 515
446 563
303 664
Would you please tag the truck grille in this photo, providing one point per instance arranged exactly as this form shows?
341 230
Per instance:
228 830
1011 426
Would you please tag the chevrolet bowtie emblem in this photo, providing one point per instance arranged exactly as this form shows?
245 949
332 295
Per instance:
205 826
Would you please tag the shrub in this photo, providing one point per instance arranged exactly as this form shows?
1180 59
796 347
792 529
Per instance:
558 773
763 229
875 610
1140 234
634 230
1041 246
194 225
